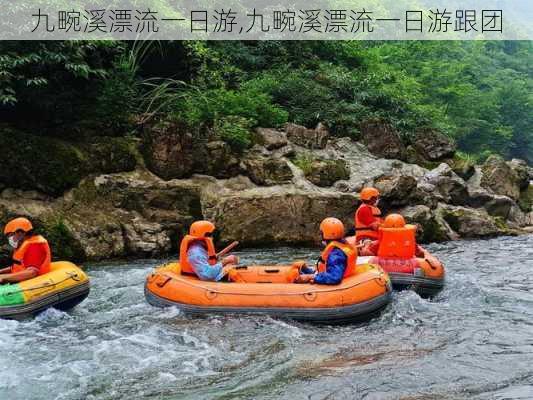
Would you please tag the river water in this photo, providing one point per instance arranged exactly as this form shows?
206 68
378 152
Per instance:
474 341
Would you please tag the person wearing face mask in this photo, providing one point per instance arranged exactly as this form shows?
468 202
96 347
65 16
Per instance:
338 259
368 215
198 256
31 252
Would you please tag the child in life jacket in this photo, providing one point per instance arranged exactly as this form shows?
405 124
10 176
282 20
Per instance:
396 239
198 256
31 252
338 259
368 215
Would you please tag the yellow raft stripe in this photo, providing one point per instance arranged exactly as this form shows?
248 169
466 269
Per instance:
62 275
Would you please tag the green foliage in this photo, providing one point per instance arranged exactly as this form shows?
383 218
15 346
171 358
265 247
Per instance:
235 131
478 92
304 162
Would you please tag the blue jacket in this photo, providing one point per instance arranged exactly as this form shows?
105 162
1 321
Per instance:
198 259
335 266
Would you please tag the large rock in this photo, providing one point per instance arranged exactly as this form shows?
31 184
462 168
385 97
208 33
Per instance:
267 171
500 178
382 140
471 223
169 150
431 228
271 138
521 172
146 238
395 190
447 184
433 145
52 166
311 138
322 172
277 216
463 167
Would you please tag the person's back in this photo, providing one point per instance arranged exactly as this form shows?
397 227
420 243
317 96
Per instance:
337 260
368 215
198 256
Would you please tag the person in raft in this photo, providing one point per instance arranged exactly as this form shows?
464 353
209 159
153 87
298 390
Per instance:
395 238
198 256
338 259
368 215
31 252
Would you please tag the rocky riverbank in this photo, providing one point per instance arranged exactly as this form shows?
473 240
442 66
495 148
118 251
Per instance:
136 197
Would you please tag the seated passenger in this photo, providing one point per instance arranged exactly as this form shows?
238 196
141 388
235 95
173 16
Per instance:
198 255
31 253
338 259
396 239
368 215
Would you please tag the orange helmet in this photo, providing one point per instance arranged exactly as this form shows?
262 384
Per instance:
18 224
332 229
368 192
201 229
394 221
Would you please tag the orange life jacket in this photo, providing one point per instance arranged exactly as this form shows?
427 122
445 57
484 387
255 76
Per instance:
347 249
364 231
18 255
186 267
397 242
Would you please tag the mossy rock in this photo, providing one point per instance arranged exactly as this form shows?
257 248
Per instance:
52 165
526 199
322 173
463 167
63 244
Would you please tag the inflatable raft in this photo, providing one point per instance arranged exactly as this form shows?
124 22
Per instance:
423 275
270 290
63 287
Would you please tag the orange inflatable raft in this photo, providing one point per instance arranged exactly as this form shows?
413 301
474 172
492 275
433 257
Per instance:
270 290
425 275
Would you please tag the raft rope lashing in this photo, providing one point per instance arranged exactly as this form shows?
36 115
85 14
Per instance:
71 275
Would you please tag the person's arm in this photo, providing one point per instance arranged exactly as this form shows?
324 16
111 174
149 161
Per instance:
6 270
336 264
199 261
28 273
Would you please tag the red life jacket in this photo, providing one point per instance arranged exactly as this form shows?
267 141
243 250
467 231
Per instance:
363 231
399 243
186 267
18 255
351 254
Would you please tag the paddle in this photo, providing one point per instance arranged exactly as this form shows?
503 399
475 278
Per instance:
227 249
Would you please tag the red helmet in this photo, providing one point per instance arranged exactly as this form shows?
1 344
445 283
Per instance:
18 224
201 229
394 221
332 229
367 193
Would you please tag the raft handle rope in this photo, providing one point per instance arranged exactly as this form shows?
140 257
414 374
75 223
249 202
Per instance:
71 275
430 263
379 279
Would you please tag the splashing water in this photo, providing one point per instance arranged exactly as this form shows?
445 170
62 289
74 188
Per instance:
473 341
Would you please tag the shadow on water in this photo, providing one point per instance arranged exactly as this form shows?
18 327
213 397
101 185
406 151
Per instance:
473 341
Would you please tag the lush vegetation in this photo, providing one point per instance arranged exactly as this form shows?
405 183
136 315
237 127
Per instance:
478 92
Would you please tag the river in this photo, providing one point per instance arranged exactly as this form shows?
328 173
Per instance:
473 341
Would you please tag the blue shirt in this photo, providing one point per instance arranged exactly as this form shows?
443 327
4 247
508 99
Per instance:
199 261
335 267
